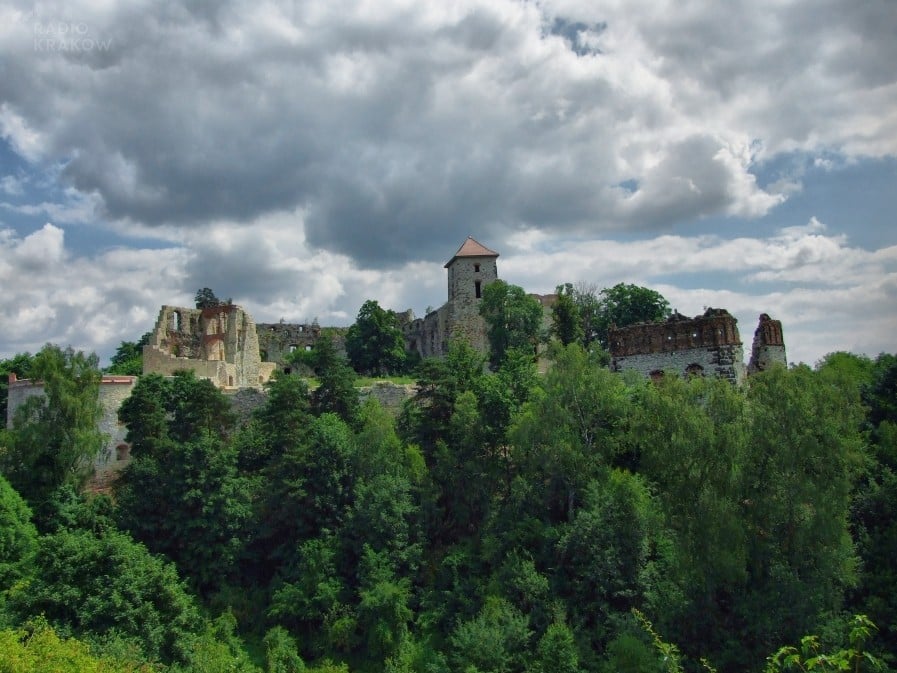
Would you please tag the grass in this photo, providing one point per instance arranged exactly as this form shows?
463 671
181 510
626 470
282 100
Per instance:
364 381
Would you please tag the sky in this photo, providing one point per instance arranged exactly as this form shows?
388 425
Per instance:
302 157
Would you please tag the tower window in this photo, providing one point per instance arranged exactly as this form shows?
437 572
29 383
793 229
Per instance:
478 289
476 268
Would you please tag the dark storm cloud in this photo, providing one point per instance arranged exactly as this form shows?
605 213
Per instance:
400 129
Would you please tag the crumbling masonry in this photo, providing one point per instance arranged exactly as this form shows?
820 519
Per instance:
219 343
707 344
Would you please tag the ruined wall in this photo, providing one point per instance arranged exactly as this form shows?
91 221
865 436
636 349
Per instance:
218 343
707 344
278 340
113 390
391 396
429 335
769 345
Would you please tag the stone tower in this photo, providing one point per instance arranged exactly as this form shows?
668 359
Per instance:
769 345
470 270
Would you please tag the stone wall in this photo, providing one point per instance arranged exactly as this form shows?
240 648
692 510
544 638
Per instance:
218 343
707 344
113 390
278 340
722 361
429 335
468 274
391 396
769 345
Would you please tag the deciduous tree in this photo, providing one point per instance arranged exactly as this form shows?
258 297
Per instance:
374 344
626 304
55 436
513 320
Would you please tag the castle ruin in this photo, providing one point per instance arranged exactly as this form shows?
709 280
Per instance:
278 340
219 343
708 344
769 345
470 270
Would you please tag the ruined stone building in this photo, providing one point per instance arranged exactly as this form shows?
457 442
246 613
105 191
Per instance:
769 345
706 345
470 270
219 343
113 390
278 340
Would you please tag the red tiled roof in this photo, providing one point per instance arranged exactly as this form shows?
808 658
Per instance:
472 248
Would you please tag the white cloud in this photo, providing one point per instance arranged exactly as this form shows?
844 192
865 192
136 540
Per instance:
304 157
440 118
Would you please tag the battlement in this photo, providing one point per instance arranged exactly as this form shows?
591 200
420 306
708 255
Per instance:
716 327
706 344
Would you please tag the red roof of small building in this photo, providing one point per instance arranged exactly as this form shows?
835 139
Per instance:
472 248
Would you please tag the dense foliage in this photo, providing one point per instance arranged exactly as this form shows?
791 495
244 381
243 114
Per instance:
504 522
513 320
374 344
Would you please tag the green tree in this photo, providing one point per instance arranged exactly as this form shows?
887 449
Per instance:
513 320
308 593
587 407
181 408
205 298
37 648
374 344
804 451
567 324
336 393
18 537
217 649
128 358
626 304
811 655
145 413
309 491
556 652
874 507
383 612
426 419
281 652
690 438
89 584
197 408
286 414
495 641
187 501
605 550
55 436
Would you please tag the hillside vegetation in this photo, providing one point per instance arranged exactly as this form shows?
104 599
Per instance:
504 523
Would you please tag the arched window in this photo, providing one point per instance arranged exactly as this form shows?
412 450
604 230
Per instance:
122 452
